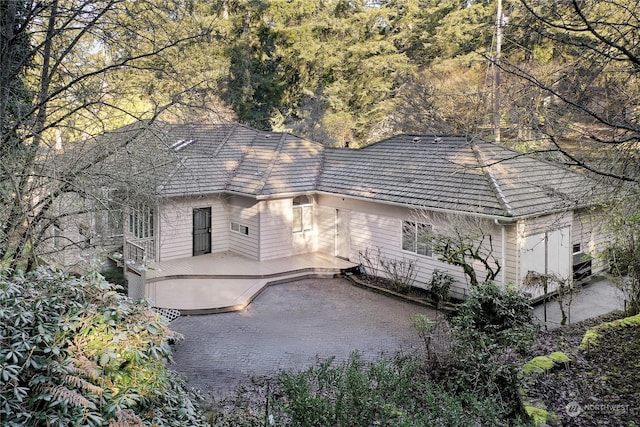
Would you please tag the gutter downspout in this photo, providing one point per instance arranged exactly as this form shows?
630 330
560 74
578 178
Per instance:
503 254
503 251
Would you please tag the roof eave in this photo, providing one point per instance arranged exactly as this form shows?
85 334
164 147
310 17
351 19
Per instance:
502 218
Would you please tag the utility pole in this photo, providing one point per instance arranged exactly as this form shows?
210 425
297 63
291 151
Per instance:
496 73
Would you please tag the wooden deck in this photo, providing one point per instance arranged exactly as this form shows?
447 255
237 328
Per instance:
225 281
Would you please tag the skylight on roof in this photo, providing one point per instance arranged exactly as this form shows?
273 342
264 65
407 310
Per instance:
180 144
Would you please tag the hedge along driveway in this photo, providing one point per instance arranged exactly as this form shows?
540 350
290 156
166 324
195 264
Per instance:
288 327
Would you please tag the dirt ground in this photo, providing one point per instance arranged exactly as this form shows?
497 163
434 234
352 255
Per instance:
601 385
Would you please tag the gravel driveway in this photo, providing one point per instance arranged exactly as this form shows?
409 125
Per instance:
289 326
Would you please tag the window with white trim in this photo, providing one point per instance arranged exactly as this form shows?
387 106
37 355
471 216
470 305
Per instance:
302 214
239 228
416 237
141 222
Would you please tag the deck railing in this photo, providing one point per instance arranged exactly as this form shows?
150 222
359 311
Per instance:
139 252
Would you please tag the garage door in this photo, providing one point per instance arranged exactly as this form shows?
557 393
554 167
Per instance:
546 253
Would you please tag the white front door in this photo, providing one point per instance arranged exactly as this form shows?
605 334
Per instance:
343 240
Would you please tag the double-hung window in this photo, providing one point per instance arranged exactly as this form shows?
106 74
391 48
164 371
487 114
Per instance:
302 214
417 238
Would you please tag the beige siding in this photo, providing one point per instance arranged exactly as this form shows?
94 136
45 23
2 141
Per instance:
326 233
586 228
73 253
534 226
275 229
176 226
511 254
377 226
589 232
544 223
219 226
245 212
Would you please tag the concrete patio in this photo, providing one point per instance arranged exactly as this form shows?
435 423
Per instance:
225 281
593 299
290 327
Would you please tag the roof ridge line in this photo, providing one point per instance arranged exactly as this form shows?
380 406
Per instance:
224 141
493 183
320 170
272 162
234 172
180 163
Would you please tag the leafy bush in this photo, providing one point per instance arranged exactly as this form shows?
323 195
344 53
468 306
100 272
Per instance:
492 327
492 316
439 286
435 337
76 352
355 393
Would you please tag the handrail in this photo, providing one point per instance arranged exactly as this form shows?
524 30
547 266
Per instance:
139 252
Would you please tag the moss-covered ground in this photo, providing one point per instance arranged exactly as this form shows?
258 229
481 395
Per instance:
601 384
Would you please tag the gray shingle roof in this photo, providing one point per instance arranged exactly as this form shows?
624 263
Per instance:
449 172
454 173
238 159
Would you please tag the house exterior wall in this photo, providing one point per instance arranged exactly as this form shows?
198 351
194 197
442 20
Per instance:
277 239
376 226
511 257
325 226
541 224
175 230
543 247
584 227
558 234
374 230
77 242
275 229
589 230
245 212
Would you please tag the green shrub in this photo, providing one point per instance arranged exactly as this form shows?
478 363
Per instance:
386 392
76 352
490 329
439 286
115 275
495 317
